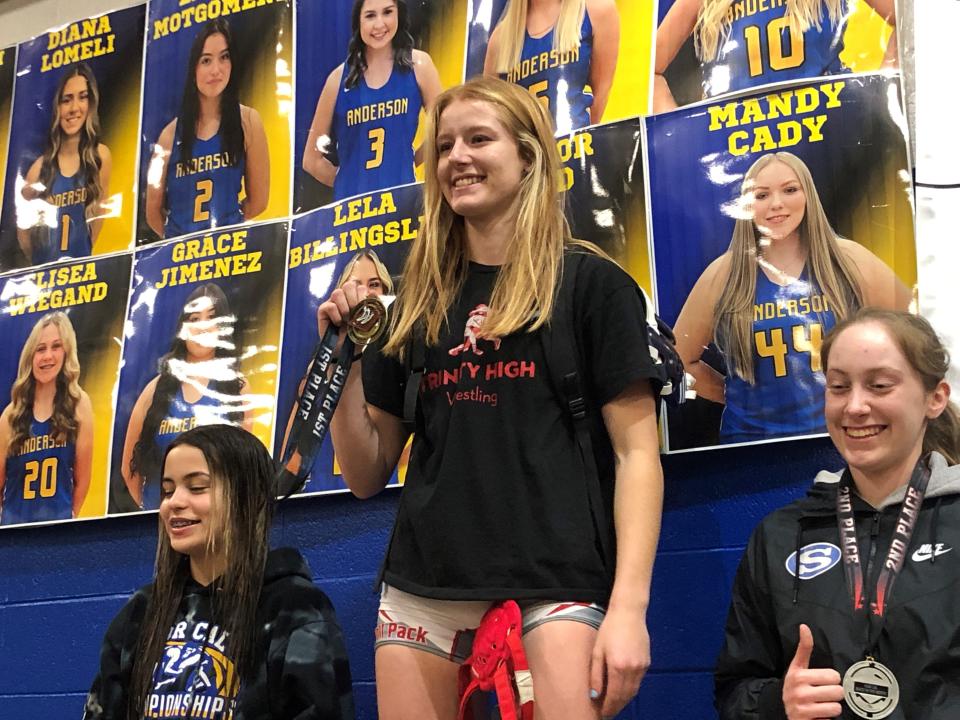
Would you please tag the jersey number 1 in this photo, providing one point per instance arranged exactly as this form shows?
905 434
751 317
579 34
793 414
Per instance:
46 471
777 349
775 43
64 232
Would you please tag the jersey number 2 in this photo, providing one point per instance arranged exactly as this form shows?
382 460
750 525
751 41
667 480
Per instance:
46 472
204 193
775 43
777 349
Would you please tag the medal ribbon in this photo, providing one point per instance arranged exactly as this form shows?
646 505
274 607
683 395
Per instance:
322 390
897 552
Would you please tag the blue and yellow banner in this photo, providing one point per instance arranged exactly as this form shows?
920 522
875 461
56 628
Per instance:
70 176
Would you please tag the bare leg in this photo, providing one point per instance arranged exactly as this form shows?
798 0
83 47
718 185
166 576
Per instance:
415 685
559 656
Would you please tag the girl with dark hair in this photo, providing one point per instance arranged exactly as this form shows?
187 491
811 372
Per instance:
228 628
199 383
845 601
71 178
46 432
212 150
371 104
500 500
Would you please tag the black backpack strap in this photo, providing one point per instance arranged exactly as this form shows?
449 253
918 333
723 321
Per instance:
414 360
561 352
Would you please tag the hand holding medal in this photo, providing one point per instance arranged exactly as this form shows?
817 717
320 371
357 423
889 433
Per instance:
808 693
350 319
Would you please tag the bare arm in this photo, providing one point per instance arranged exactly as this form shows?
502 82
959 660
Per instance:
30 192
103 204
694 328
315 160
256 175
366 440
134 481
622 647
493 48
887 10
157 179
83 460
606 45
673 32
4 446
881 287
428 80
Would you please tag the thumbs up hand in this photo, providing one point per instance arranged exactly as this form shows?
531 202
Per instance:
810 694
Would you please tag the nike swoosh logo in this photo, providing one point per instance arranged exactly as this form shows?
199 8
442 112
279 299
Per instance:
925 553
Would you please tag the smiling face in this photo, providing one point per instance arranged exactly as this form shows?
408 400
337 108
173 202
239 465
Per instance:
188 501
479 167
378 23
214 66
876 406
778 201
74 105
48 356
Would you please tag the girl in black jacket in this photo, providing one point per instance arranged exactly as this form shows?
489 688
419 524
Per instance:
845 601
227 629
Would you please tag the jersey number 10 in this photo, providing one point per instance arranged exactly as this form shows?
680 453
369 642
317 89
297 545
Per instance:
775 46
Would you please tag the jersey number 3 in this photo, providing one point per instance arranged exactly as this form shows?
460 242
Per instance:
776 30
46 472
777 349
377 137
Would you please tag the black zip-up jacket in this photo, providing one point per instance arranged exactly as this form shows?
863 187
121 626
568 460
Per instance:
300 671
920 641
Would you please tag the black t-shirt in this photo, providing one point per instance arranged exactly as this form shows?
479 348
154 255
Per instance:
495 504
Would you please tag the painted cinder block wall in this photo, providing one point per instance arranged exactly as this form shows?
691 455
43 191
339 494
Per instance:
61 584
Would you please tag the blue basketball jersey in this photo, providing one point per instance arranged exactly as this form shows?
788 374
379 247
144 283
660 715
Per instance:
559 78
39 484
71 237
762 48
181 416
789 324
203 191
374 130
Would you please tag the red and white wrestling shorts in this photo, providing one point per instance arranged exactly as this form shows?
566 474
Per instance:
446 627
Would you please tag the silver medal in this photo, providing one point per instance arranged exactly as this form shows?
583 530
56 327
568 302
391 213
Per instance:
870 689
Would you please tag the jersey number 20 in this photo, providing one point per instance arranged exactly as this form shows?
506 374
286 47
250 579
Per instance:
46 472
775 46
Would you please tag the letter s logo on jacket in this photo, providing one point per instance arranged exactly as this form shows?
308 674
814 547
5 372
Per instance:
815 559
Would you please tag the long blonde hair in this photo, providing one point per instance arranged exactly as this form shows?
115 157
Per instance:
435 269
513 30
830 271
715 18
64 418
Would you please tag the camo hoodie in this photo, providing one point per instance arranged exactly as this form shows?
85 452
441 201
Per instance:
301 670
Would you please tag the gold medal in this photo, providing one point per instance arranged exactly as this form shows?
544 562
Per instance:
368 320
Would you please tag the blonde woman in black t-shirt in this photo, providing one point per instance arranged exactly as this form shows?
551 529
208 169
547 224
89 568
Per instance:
495 504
